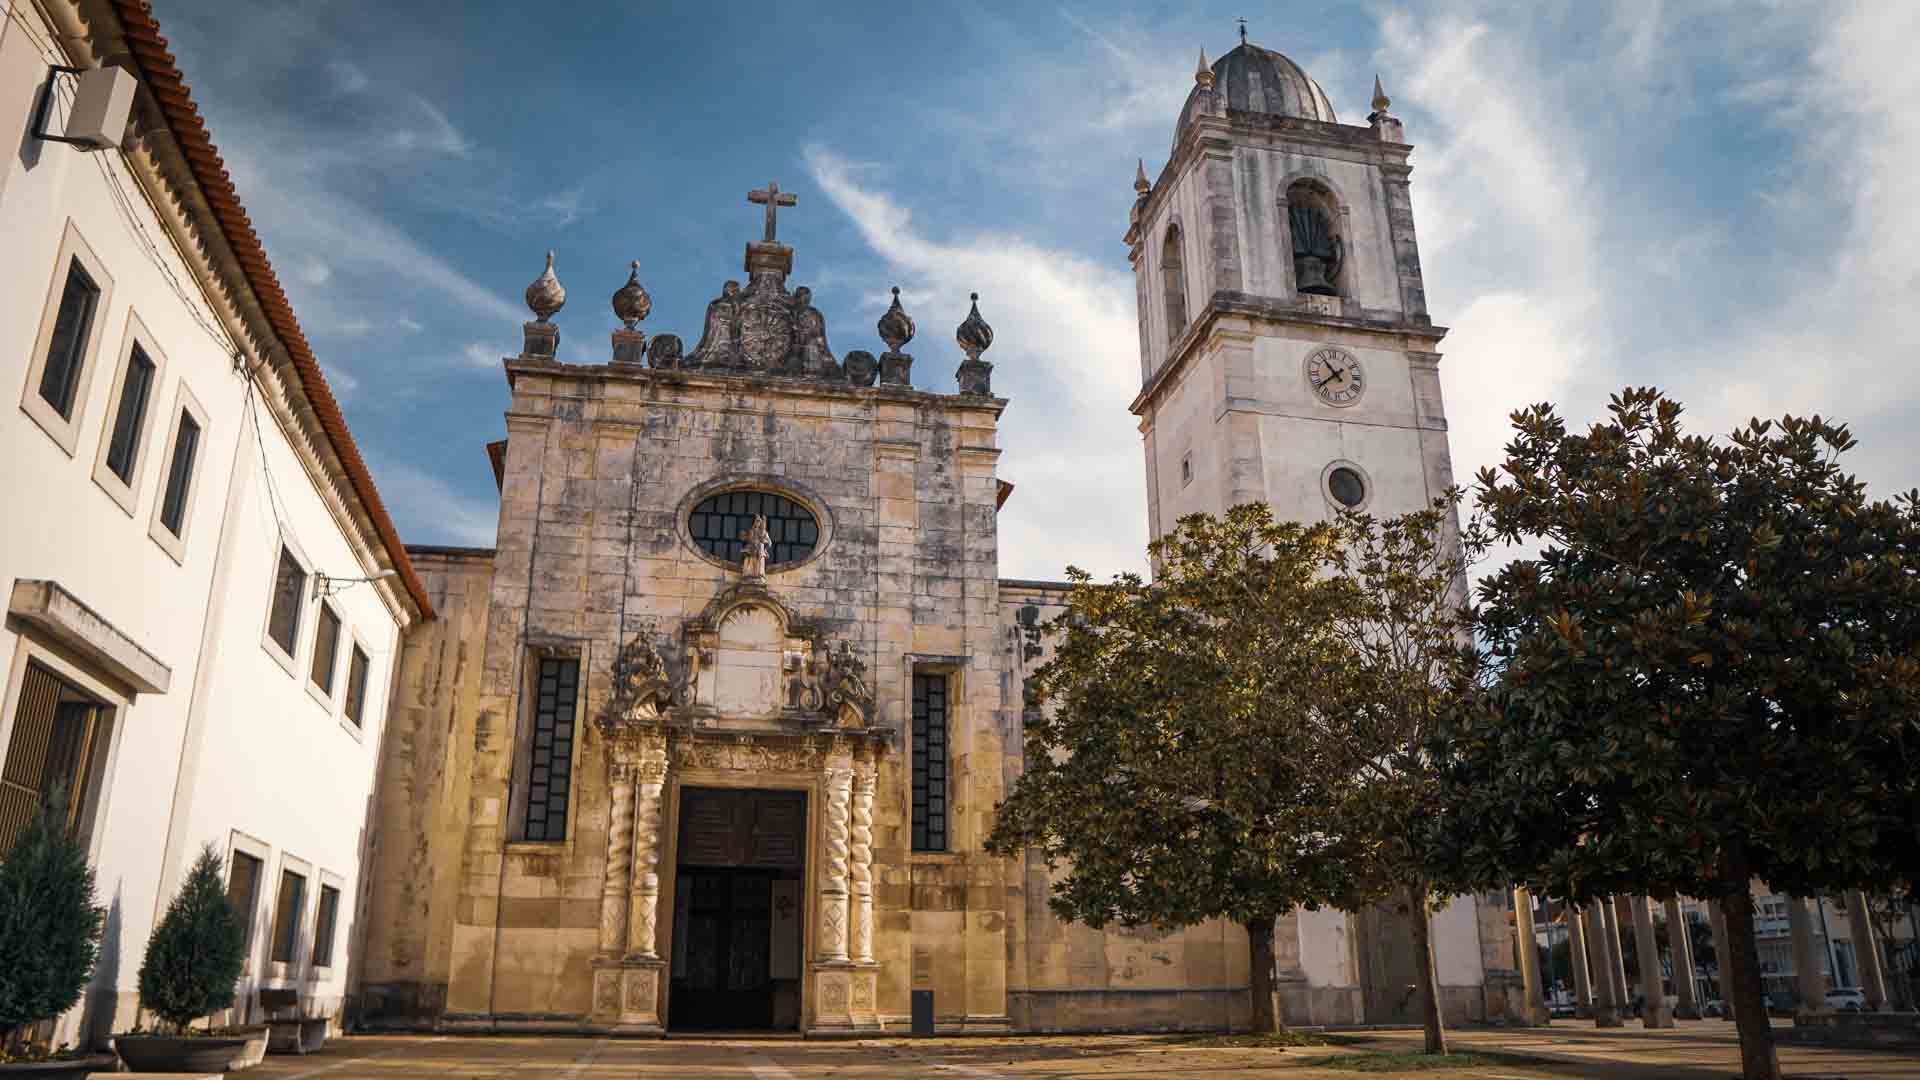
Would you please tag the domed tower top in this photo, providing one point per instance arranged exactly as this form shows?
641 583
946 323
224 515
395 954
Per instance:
1253 79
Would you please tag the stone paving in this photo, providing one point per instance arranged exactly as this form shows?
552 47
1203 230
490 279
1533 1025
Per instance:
1700 1050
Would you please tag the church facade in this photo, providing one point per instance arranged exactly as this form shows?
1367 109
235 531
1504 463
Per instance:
712 737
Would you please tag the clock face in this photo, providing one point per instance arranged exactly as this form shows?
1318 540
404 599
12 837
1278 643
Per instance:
1335 376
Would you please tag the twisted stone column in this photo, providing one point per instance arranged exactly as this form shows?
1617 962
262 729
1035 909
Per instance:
860 927
641 934
613 888
834 868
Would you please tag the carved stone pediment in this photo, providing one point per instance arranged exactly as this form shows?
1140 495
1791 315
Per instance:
754 665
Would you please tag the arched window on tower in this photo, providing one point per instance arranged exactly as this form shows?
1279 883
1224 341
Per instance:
1319 252
1173 282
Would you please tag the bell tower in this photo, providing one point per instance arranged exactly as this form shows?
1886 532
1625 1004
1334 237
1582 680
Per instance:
1286 354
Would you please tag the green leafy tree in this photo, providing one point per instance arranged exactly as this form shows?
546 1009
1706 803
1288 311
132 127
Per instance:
1173 760
195 954
49 923
1403 619
1707 675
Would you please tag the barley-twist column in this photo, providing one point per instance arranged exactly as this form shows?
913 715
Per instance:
860 927
833 874
652 775
613 889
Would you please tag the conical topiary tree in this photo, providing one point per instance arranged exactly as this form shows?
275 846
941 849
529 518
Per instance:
49 923
195 954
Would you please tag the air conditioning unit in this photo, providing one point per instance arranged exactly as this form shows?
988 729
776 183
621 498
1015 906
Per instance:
102 98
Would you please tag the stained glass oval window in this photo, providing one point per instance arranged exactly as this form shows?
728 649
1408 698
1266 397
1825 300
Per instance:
719 524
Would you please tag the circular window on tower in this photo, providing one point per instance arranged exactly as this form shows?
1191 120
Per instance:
1346 486
718 526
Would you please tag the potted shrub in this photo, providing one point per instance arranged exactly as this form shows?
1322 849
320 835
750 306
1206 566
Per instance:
193 959
49 938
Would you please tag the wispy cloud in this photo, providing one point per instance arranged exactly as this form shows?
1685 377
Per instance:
430 511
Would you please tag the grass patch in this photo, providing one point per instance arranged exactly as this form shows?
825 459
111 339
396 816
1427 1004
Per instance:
1395 1061
1278 1040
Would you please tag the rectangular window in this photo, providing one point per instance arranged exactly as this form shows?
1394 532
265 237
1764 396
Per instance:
186 444
323 922
66 346
326 649
929 762
357 685
130 419
550 765
55 731
286 916
289 592
243 889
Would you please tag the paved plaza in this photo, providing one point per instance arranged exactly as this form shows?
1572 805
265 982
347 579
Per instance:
1567 1050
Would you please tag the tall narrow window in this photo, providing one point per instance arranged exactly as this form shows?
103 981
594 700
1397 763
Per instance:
186 444
289 592
55 729
929 762
243 890
357 667
66 347
550 762
323 922
326 649
130 419
287 909
1173 282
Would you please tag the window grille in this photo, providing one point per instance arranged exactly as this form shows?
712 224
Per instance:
130 418
929 762
186 444
550 766
67 344
719 524
55 730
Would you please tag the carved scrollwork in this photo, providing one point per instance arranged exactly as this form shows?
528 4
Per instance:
849 698
643 689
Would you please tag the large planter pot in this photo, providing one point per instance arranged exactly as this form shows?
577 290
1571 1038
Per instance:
75 1068
298 1036
255 1051
168 1053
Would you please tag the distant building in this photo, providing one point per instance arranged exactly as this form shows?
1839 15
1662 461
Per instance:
191 645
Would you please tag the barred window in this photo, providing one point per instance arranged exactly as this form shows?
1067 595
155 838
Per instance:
719 524
929 762
550 764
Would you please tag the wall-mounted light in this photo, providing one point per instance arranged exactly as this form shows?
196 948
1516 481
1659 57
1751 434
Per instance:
102 98
329 586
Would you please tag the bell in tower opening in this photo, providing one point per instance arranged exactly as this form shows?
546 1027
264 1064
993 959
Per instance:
1317 249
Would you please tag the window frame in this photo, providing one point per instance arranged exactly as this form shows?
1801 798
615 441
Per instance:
127 492
288 659
328 696
288 968
239 843
328 880
949 675
65 430
1173 280
30 649
521 796
184 404
356 727
1366 486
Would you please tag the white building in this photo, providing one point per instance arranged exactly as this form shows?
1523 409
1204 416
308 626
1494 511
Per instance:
190 639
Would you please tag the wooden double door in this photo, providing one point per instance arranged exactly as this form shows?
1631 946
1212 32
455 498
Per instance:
738 910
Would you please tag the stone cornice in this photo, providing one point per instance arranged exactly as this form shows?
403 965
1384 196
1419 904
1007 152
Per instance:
770 386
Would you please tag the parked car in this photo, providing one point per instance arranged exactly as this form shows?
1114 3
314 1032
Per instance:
1846 999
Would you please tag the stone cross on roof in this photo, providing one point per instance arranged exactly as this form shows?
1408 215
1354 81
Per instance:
772 198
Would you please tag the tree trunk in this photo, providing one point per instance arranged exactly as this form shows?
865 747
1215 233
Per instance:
1427 985
1742 962
1266 1019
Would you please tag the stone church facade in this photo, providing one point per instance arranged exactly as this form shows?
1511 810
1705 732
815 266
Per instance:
712 737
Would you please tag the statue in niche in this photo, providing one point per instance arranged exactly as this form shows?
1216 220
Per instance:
849 699
753 560
720 338
810 353
1317 250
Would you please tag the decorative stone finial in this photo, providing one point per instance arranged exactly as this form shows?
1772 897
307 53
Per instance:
1204 73
975 337
631 302
546 295
896 326
1140 184
1380 99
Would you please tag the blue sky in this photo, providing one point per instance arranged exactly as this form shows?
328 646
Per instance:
1711 197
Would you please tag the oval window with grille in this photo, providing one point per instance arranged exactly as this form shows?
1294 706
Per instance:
719 524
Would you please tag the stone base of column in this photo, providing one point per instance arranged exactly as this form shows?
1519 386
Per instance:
1604 1017
1656 1016
626 995
845 998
